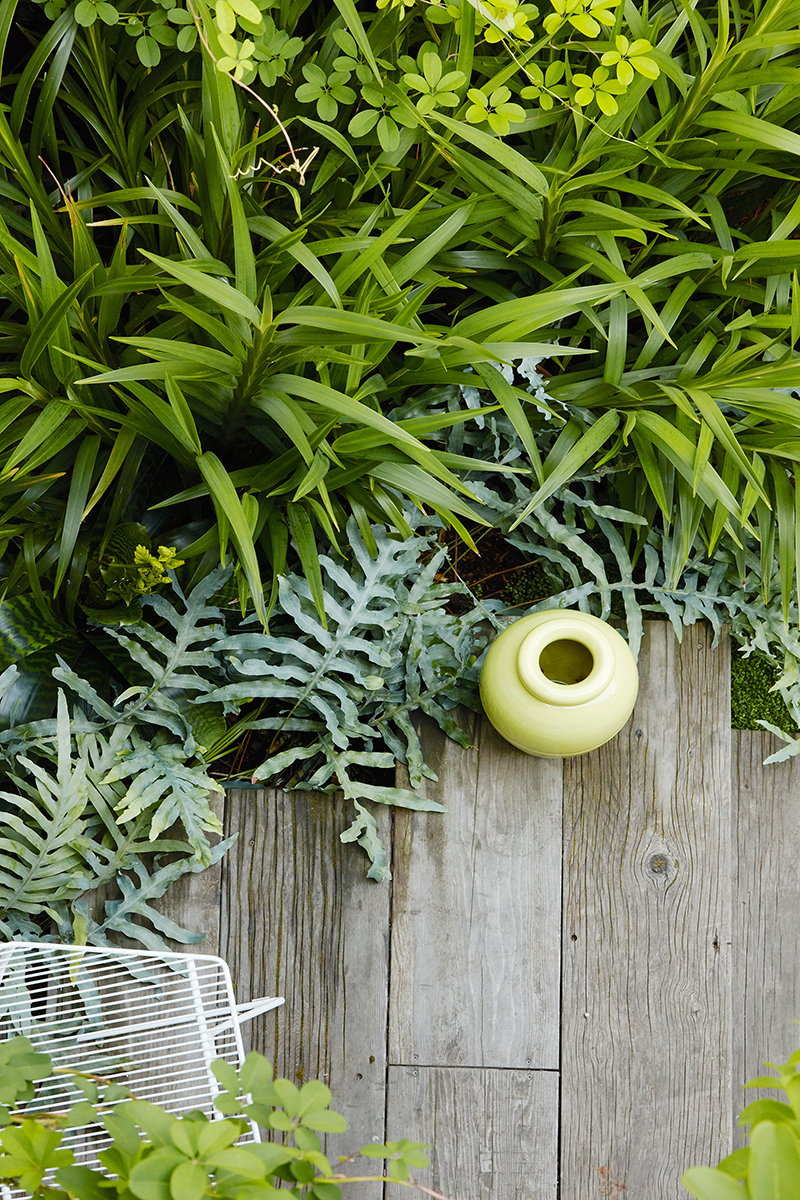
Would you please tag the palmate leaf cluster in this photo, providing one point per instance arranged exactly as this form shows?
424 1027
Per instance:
769 1166
153 1152
190 361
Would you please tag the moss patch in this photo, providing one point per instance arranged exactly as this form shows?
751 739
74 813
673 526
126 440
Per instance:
528 585
751 699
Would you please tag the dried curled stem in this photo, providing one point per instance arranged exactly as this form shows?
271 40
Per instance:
295 164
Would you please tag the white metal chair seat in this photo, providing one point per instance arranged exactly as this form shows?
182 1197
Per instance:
150 1020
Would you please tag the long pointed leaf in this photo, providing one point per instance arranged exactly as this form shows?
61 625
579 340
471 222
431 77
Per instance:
505 156
583 450
76 503
46 329
228 504
223 295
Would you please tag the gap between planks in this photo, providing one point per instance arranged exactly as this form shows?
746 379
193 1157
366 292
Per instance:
471 1067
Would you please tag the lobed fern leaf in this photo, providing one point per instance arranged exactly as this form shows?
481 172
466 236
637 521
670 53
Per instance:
338 699
389 649
173 665
364 831
41 831
584 545
139 889
92 815
160 781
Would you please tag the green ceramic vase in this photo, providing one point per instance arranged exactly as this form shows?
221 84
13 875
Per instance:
558 683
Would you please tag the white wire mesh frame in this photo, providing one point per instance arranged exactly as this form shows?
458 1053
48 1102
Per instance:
153 1021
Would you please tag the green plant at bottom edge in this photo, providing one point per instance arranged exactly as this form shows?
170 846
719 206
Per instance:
155 1154
769 1167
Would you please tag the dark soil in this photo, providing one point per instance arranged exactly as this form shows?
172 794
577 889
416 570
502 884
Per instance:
497 570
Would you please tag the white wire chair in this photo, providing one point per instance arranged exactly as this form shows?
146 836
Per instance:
152 1021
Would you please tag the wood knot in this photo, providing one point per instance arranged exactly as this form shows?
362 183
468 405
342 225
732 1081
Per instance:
658 863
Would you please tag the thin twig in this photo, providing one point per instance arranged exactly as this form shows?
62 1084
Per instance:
295 165
430 1191
41 1116
104 1079
267 162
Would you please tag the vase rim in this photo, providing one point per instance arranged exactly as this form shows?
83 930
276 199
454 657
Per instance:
550 691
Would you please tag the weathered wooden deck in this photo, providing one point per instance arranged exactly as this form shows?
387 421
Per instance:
572 973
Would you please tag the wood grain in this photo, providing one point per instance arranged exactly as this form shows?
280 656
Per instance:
646 1033
475 911
301 920
195 901
767 911
493 1133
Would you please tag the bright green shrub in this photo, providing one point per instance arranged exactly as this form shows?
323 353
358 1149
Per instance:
152 1152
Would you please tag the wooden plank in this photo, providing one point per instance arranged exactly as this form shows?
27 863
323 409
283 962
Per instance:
195 900
646 1034
493 1133
301 920
475 911
767 911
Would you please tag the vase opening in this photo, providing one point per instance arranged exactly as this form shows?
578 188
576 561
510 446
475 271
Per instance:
566 661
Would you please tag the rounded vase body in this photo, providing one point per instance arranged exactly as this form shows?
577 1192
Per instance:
559 683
